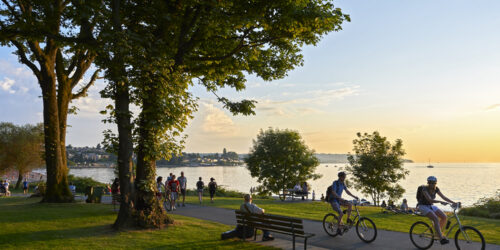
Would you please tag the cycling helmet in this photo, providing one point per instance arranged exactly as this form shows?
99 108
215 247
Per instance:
341 174
432 178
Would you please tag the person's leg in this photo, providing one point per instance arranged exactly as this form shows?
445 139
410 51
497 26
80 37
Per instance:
435 221
199 196
442 219
336 208
349 209
183 196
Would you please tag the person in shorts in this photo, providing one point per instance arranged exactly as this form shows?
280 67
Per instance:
183 183
159 187
25 186
212 187
199 187
338 187
426 208
173 185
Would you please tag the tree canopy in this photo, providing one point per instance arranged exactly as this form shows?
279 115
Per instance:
21 148
280 159
377 166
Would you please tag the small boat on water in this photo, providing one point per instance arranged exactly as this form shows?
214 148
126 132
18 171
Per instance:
430 166
326 166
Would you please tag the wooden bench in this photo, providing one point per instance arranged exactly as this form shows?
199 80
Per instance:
291 193
273 223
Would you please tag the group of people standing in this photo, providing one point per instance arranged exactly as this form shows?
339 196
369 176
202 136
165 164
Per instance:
172 189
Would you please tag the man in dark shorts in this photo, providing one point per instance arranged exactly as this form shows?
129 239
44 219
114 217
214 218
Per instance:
199 187
182 183
25 186
212 187
338 187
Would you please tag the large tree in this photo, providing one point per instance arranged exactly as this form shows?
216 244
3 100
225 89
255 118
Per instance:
54 39
168 45
21 148
377 166
280 159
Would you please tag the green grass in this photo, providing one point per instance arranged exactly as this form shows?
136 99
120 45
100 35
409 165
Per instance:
386 221
28 224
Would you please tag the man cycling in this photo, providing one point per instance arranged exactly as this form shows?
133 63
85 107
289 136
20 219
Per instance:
338 187
426 196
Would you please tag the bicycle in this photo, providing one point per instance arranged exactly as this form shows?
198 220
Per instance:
365 227
466 237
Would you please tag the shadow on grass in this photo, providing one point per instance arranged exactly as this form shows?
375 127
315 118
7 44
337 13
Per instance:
209 244
22 238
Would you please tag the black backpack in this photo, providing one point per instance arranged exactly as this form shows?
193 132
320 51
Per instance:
329 195
420 195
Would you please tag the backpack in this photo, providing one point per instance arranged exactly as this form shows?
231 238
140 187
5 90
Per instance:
420 195
199 184
329 195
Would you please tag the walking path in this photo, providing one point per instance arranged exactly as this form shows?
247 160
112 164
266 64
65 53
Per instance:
385 239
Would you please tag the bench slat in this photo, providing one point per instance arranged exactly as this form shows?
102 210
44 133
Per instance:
273 228
271 216
271 222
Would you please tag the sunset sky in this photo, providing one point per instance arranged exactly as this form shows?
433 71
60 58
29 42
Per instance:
426 72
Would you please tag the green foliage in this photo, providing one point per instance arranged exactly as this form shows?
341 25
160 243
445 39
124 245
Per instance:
485 207
377 166
82 183
21 148
279 159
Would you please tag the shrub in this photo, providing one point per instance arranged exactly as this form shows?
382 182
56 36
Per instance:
222 192
484 207
82 183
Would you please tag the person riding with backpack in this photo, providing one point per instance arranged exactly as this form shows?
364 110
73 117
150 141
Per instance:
335 199
426 196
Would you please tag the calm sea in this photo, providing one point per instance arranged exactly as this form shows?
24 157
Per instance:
464 182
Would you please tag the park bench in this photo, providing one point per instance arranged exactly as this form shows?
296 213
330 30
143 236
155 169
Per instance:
273 223
291 193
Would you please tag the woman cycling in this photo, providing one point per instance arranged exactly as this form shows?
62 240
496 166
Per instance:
426 196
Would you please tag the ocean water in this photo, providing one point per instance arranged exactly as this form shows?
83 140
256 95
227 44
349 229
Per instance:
464 182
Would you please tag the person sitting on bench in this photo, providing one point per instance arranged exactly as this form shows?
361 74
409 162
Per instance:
249 207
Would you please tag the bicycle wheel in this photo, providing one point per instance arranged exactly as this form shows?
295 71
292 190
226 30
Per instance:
330 224
366 229
469 238
421 235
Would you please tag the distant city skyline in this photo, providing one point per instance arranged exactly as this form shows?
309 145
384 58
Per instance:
426 72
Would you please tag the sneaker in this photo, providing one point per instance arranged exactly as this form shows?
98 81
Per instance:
444 241
183 205
340 231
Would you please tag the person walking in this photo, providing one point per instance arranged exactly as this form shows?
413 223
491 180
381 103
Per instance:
199 186
183 183
173 185
212 187
25 186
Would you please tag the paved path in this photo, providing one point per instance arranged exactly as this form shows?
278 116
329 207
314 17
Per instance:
385 239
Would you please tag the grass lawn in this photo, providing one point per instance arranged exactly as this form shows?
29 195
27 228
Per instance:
28 224
490 228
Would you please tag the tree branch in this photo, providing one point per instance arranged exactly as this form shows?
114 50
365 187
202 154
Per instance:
83 90
25 60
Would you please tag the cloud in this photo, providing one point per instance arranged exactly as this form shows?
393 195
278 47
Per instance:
6 85
492 107
217 122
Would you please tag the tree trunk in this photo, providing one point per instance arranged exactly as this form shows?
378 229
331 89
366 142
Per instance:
57 173
19 179
149 211
125 146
